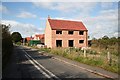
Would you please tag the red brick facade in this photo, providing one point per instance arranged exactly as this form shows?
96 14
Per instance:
57 34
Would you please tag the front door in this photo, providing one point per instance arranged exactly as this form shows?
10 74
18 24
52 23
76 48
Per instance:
70 43
58 43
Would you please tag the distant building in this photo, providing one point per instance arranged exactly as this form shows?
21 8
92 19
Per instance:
39 37
28 39
65 33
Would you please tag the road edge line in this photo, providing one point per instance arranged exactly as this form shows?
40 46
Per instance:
106 76
37 67
51 74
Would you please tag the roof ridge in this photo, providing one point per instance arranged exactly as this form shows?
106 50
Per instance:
66 20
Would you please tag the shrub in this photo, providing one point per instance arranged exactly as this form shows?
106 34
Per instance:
64 54
18 43
45 49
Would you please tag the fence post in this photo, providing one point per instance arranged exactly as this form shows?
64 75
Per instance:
70 50
85 53
109 58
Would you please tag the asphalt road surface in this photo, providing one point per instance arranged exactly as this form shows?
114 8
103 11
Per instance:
29 63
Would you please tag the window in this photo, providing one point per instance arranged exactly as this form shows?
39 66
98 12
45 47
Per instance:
81 41
58 32
70 32
58 43
81 32
70 43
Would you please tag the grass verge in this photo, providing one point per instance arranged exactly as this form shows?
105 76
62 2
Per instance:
77 55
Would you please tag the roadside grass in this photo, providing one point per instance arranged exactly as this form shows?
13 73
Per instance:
91 59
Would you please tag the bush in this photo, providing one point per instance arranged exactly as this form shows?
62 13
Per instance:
64 54
45 49
18 43
57 51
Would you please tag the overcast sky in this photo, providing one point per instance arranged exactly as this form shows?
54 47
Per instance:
29 18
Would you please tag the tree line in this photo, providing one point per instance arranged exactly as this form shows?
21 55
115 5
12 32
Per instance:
7 42
106 43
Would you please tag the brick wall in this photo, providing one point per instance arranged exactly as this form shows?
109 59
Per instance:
48 35
65 37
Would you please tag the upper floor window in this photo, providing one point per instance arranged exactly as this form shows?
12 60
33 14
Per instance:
70 32
58 32
81 32
81 41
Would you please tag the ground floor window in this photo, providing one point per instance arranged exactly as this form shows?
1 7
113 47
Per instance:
58 43
70 43
81 41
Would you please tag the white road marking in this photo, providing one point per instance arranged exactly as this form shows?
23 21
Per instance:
50 73
38 67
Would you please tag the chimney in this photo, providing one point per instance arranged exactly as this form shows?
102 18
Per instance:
48 17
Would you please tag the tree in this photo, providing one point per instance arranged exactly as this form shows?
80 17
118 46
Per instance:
94 38
6 37
105 37
88 37
113 38
7 45
16 37
118 37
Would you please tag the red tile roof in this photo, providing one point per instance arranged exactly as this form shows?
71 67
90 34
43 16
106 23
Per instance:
41 36
66 25
28 38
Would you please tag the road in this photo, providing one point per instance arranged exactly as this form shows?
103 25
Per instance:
29 63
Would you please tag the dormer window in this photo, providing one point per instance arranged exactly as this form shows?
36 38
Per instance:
81 32
70 32
58 32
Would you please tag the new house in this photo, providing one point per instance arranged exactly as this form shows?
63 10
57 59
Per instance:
65 33
39 37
